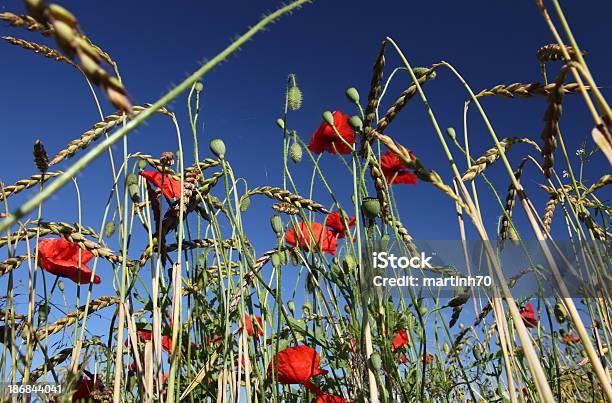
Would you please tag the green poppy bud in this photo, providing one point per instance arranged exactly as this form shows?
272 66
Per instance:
476 353
142 165
245 203
376 361
560 312
356 123
131 180
384 242
291 306
43 314
284 257
328 117
295 152
353 95
60 285
134 192
306 309
217 146
199 86
294 98
277 224
276 260
451 133
294 259
109 229
280 123
370 207
347 309
447 349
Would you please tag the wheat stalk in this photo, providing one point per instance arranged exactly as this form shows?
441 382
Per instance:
492 155
287 197
510 202
527 90
27 183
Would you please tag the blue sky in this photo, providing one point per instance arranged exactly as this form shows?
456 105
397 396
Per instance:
330 46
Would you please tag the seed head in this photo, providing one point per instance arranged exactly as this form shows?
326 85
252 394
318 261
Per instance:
294 98
109 229
370 207
295 152
41 159
217 146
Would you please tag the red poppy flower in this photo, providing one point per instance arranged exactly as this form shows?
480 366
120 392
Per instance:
403 359
296 365
145 335
166 343
428 358
334 221
325 398
401 339
61 257
570 339
326 139
172 187
325 238
395 172
249 325
528 315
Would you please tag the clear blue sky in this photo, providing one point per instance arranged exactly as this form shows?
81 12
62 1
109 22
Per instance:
330 46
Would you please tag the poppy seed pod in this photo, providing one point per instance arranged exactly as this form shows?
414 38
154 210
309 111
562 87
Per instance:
109 229
142 164
131 180
353 95
370 207
217 146
134 192
291 306
306 309
376 361
295 152
280 123
199 86
277 224
328 117
356 123
451 133
294 98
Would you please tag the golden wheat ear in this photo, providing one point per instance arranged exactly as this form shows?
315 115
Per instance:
603 143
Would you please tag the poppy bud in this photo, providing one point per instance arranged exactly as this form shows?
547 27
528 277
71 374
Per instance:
109 229
306 309
348 263
280 123
58 12
370 207
60 285
276 260
217 146
353 95
451 133
294 98
284 257
36 8
131 180
142 165
328 117
356 123
347 309
134 192
245 203
376 361
446 349
560 312
294 259
43 313
291 306
476 353
199 86
295 152
277 224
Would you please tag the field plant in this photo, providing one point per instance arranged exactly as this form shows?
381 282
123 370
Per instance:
199 315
